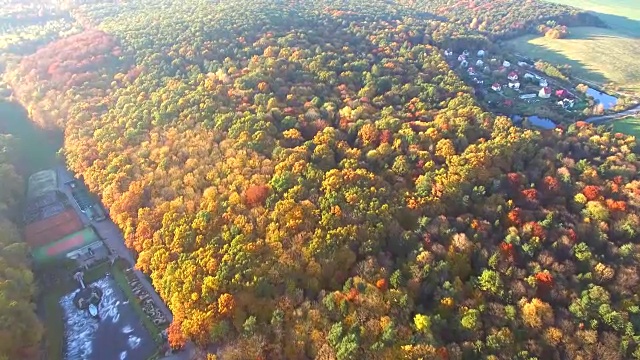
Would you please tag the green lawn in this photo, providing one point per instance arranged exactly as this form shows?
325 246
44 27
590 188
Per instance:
621 15
629 126
118 274
598 55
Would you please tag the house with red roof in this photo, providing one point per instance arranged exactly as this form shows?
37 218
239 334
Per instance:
513 76
496 87
545 92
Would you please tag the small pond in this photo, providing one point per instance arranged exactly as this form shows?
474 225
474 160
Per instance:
542 123
606 100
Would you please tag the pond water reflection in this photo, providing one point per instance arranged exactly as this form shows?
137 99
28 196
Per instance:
542 123
606 100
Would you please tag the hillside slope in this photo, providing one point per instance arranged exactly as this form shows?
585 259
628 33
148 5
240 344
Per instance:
311 180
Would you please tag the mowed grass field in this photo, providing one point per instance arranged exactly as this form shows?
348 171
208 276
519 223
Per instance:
621 15
599 55
630 126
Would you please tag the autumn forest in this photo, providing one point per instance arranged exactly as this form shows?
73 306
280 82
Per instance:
311 180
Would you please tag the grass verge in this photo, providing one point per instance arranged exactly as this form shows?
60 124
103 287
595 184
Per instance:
121 280
629 126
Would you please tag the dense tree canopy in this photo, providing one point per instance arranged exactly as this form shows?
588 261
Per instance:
310 179
20 330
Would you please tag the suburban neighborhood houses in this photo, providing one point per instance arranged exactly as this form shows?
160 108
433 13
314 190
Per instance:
517 88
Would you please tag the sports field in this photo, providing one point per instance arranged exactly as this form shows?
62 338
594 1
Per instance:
599 55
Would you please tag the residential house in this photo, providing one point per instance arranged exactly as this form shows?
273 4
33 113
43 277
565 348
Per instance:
465 53
479 63
566 104
513 76
514 85
448 53
545 92
523 64
543 83
471 71
506 63
464 63
496 87
481 53
529 76
562 93
461 58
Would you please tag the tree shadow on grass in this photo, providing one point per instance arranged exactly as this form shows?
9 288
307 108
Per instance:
625 25
578 68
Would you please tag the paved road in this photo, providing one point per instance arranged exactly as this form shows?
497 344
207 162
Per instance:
114 239
600 119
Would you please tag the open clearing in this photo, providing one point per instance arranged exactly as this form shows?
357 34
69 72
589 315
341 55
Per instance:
621 15
598 55
630 126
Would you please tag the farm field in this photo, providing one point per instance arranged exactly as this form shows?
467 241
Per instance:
622 15
598 55
630 126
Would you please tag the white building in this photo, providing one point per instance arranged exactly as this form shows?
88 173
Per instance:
481 53
545 92
506 63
